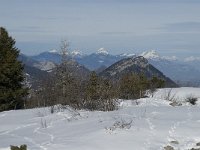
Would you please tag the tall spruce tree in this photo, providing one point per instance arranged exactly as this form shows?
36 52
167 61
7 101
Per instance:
12 90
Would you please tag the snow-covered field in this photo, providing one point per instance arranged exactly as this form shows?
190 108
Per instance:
150 125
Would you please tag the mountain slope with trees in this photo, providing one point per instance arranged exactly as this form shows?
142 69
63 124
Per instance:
136 65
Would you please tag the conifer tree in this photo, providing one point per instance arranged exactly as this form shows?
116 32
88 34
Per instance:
155 83
92 92
133 86
12 90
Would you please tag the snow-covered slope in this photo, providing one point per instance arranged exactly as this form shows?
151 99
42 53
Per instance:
77 54
152 54
45 65
151 125
102 51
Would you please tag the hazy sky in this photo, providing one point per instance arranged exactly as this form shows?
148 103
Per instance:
172 27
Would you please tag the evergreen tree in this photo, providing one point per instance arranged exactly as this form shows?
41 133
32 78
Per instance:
92 92
155 83
108 95
100 94
133 86
129 86
11 74
143 84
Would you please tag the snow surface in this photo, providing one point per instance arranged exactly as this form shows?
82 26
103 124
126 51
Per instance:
180 94
149 124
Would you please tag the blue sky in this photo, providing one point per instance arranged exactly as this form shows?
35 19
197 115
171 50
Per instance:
172 27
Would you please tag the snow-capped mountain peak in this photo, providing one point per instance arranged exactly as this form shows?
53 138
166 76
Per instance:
76 53
102 51
53 51
152 54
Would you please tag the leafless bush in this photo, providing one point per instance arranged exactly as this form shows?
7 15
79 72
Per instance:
175 103
121 124
169 95
192 100
75 114
41 112
52 109
57 108
150 93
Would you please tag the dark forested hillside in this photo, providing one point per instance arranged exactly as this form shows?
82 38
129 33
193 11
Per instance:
137 65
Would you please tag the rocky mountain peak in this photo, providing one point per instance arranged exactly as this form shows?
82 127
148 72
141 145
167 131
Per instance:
102 51
76 53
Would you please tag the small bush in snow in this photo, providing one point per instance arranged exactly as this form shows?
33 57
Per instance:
198 144
175 103
122 124
22 147
169 95
174 142
168 148
192 100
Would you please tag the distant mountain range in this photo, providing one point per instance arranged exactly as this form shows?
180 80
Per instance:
93 61
183 71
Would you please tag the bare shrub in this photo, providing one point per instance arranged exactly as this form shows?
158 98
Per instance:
168 148
121 124
52 109
75 114
169 95
175 103
42 112
192 100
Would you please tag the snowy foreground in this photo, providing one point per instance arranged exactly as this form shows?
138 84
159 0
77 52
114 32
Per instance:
150 125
